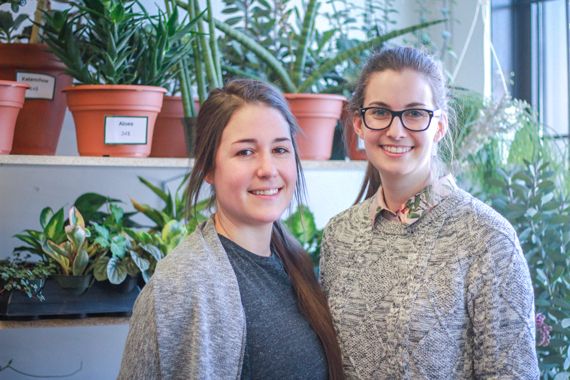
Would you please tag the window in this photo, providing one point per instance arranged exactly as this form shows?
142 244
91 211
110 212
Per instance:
531 39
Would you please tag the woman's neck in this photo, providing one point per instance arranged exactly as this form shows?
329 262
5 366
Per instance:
255 239
397 191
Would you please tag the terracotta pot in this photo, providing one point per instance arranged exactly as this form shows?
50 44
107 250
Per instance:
39 124
11 101
317 115
353 143
114 120
169 138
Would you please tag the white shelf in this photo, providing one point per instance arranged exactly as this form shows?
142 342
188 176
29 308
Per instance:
151 162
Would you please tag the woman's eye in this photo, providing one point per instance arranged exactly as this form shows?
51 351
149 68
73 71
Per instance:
281 150
380 112
245 152
416 113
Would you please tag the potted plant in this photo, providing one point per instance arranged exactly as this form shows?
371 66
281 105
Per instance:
24 276
75 256
171 223
39 125
300 75
202 68
120 56
11 102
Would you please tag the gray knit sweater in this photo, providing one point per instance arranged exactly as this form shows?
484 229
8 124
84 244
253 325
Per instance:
447 297
188 322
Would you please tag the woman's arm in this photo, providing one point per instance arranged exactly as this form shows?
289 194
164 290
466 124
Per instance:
501 308
141 355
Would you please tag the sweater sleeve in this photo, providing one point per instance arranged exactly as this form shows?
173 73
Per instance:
141 355
501 307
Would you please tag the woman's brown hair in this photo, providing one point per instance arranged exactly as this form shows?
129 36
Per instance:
213 117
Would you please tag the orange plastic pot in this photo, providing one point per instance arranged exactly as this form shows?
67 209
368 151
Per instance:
39 125
99 109
11 101
317 115
169 138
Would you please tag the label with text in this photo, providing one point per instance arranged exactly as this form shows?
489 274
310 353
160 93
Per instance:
42 86
131 130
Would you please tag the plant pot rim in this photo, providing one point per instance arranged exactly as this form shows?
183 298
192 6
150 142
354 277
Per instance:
114 87
13 83
302 95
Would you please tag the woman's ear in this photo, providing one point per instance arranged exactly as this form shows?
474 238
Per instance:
209 178
442 126
357 125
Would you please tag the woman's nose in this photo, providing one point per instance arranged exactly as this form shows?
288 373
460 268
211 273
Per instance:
396 128
267 166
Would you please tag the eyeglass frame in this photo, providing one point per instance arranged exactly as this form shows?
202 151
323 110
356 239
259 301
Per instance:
431 113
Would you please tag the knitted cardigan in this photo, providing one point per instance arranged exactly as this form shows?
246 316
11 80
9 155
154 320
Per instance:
447 297
188 322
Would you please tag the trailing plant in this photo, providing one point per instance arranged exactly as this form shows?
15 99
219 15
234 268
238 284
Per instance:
117 42
302 226
24 276
301 73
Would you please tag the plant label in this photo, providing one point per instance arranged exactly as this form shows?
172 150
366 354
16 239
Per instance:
128 130
42 86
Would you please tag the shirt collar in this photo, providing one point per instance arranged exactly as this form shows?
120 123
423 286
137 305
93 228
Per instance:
417 205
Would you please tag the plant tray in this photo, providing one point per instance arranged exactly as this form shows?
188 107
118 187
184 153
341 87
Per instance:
98 300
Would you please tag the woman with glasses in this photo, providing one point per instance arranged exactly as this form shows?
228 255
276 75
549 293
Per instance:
423 280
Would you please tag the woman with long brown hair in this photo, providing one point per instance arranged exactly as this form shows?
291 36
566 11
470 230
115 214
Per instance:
238 298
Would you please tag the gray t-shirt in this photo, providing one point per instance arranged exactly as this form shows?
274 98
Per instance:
280 343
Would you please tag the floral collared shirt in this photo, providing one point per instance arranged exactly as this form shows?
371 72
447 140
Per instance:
417 205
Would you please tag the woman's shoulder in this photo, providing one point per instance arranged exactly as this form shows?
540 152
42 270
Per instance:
479 214
351 217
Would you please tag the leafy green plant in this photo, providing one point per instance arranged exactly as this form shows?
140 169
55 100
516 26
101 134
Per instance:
26 277
117 42
9 25
149 248
536 205
112 239
302 226
174 207
297 75
75 256
52 228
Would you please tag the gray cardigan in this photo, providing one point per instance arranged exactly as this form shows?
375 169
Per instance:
188 322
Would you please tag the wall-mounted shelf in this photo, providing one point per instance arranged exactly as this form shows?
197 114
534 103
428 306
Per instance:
150 162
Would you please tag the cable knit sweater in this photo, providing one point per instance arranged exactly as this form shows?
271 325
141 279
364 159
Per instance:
447 297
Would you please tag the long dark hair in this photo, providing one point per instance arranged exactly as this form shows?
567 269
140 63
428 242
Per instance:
397 59
213 117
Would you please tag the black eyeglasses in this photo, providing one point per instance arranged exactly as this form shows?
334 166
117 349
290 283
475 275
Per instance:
413 119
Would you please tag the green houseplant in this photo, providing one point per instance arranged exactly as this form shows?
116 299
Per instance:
299 71
197 74
121 55
171 223
24 58
26 277
504 159
301 224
